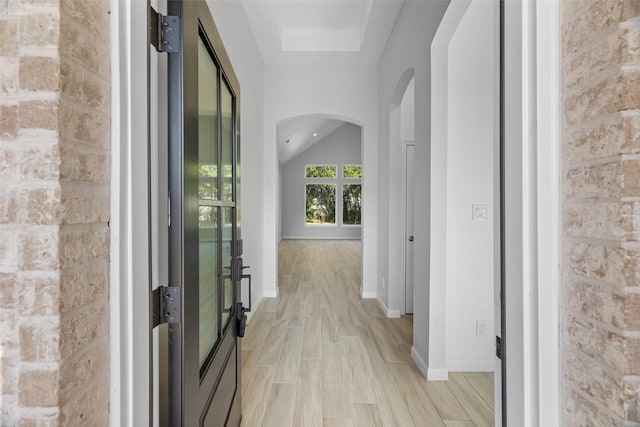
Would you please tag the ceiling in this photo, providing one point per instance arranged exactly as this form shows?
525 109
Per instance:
351 31
300 132
318 31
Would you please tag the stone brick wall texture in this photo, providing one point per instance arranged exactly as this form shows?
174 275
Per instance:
54 212
601 212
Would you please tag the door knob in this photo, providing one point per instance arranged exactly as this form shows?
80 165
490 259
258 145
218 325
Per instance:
411 238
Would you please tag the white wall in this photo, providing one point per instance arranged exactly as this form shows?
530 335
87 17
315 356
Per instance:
406 55
342 147
408 113
248 65
279 201
341 91
471 147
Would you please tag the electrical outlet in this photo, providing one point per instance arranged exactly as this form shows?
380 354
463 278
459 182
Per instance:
481 328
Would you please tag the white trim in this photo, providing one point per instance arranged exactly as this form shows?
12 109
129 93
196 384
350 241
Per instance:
129 308
429 374
271 294
419 361
254 308
548 175
470 366
391 314
437 375
318 238
517 292
403 248
438 221
532 63
117 399
369 294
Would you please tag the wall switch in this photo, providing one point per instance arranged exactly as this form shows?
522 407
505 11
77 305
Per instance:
383 283
479 212
481 328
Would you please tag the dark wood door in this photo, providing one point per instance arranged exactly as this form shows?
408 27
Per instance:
204 237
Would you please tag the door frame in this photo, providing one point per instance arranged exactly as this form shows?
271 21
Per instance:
530 330
405 198
130 359
531 36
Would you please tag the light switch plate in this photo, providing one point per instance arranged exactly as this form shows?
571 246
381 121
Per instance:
479 212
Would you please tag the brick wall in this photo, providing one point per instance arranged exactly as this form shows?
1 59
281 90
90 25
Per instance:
54 211
601 212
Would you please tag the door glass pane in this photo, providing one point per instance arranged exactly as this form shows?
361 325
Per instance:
207 192
227 258
208 252
207 125
227 142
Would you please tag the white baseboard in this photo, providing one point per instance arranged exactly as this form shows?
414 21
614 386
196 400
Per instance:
437 375
419 362
429 374
270 294
318 238
369 294
254 307
391 314
471 366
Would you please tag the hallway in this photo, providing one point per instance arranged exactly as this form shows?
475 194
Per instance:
320 355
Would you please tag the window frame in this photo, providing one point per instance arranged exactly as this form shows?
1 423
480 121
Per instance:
339 182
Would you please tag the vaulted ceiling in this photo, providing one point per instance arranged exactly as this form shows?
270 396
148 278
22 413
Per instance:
298 134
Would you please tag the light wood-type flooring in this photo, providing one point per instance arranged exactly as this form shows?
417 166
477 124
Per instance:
319 355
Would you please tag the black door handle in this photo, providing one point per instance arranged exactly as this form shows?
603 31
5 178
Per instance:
411 238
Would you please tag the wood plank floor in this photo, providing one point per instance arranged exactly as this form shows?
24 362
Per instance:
319 355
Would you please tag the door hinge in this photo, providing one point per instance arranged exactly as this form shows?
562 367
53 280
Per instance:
166 305
165 32
499 347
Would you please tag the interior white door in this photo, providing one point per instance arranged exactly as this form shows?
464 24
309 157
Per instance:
409 214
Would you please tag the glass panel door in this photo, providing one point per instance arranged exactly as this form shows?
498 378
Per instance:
204 355
207 194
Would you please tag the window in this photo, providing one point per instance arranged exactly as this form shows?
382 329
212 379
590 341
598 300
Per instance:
321 171
351 206
352 171
322 189
321 204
